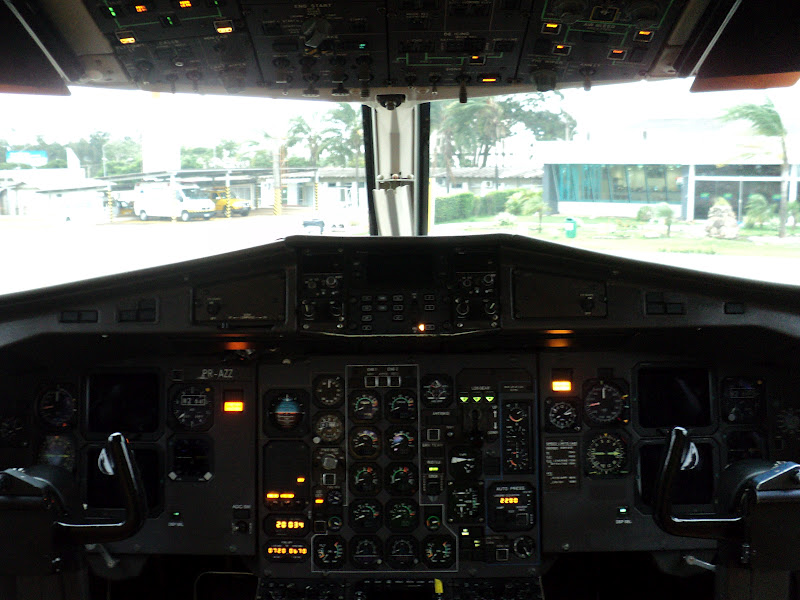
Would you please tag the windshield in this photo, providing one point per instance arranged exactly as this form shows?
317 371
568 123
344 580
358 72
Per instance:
645 170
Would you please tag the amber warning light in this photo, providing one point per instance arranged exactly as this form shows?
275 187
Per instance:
233 406
561 380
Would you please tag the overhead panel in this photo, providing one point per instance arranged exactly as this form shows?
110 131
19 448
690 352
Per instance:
351 51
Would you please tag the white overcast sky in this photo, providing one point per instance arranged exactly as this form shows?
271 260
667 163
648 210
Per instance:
204 120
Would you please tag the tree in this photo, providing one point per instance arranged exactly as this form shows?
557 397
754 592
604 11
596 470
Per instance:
344 136
758 210
528 202
90 152
765 120
664 211
314 139
466 134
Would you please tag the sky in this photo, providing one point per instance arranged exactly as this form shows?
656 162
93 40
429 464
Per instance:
206 119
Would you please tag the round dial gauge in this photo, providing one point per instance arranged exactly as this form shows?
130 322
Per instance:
366 550
364 406
58 451
788 422
12 430
329 427
401 442
365 478
191 459
402 551
328 391
606 454
563 415
329 551
524 547
286 412
401 479
402 406
438 551
56 407
193 407
603 403
402 515
365 515
328 459
465 462
365 442
437 391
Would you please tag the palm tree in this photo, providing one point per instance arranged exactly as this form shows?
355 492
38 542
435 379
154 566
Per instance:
313 138
765 120
530 202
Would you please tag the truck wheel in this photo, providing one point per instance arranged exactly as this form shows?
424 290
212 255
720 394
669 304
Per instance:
184 216
142 216
245 212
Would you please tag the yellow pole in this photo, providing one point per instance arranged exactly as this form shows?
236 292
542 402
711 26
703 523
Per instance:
228 203
316 196
110 206
278 204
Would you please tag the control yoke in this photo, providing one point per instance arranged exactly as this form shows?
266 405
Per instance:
39 502
133 496
758 528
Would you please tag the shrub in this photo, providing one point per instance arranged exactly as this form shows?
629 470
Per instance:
455 208
758 210
495 202
505 219
644 214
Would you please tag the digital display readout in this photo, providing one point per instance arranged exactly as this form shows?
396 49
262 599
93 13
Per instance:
290 525
194 400
286 551
509 500
286 525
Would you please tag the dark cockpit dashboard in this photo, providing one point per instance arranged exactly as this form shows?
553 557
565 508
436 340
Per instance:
346 412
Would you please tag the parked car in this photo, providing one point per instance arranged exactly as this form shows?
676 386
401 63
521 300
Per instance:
221 200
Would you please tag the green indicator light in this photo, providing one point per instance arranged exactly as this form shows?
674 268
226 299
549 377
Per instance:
362 46
490 398
112 12
464 398
476 398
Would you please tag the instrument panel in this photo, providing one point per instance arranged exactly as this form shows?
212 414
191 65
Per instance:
322 452
417 464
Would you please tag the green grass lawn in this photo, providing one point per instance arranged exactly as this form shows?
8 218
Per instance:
619 234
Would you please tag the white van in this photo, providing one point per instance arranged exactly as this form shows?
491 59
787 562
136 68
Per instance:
171 200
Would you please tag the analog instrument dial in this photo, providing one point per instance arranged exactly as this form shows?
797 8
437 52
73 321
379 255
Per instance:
366 515
464 503
193 407
438 551
365 442
604 403
401 442
191 459
329 551
365 478
402 406
58 451
367 551
402 515
328 391
365 406
402 552
606 455
57 407
329 427
286 411
562 415
402 479
437 391
788 422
